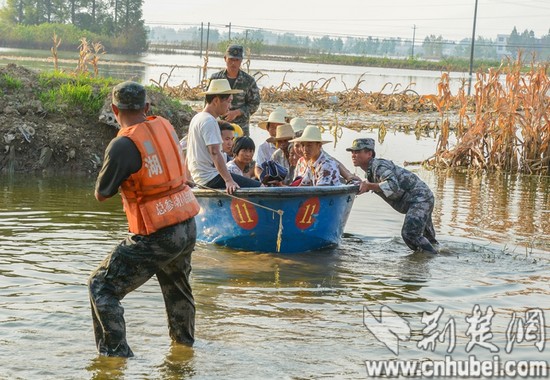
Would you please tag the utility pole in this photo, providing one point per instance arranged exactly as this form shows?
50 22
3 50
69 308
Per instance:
202 32
229 26
414 35
472 50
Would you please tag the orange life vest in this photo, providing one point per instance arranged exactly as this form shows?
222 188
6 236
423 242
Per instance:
157 195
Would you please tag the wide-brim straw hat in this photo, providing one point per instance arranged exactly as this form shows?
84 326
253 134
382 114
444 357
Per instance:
281 110
311 134
298 124
274 117
284 132
219 87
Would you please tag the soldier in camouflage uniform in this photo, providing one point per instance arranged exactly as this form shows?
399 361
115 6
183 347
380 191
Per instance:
165 252
246 103
402 190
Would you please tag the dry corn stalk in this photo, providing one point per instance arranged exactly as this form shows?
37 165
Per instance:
510 127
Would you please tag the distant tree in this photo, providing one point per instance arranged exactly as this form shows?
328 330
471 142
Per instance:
514 43
545 46
325 44
433 46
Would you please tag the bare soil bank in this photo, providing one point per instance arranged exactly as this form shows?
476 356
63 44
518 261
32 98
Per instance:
71 141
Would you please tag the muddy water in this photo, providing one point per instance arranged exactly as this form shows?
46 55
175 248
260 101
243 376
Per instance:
272 316
174 69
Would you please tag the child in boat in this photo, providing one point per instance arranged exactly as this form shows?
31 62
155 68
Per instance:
228 134
243 151
284 134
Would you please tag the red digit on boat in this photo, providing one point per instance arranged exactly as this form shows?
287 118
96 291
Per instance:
307 213
244 214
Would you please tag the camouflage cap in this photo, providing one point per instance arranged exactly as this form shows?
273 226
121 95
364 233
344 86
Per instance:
129 96
360 144
234 51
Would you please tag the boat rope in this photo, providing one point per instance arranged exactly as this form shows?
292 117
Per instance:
279 212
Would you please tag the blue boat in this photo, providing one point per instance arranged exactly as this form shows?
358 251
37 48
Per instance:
275 219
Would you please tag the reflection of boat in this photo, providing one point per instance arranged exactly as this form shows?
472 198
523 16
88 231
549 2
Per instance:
313 217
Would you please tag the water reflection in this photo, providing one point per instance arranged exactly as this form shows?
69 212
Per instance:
53 233
178 363
106 368
508 208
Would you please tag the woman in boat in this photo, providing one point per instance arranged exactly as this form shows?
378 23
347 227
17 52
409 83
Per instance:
316 168
296 151
243 151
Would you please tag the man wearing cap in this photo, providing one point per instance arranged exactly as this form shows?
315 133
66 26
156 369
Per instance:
205 160
145 163
246 102
402 190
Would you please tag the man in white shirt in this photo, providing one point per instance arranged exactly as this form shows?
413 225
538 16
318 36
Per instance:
204 156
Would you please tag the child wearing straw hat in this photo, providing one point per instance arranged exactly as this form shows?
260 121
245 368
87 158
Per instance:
315 167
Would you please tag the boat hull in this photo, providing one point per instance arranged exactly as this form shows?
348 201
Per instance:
312 217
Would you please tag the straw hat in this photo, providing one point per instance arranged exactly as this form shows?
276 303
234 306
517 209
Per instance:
274 117
311 134
280 109
284 132
298 124
219 87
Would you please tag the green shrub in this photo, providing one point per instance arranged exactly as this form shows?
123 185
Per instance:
81 92
9 82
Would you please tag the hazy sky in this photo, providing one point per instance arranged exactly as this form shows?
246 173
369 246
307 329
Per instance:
453 19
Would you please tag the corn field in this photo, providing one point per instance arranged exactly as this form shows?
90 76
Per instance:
508 128
504 125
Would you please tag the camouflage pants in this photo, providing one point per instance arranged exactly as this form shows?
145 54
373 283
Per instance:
418 231
166 254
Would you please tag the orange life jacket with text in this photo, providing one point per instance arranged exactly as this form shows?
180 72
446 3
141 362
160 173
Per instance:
157 195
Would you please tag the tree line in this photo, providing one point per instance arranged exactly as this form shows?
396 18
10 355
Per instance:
431 47
118 24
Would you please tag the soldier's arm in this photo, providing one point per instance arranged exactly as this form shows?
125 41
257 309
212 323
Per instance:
252 99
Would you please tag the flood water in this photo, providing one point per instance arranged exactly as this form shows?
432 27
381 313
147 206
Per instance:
272 316
174 69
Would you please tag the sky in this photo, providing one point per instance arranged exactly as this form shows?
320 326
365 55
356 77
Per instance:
452 19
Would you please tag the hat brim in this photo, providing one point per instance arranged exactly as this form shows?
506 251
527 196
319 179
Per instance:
234 56
299 139
226 92
275 139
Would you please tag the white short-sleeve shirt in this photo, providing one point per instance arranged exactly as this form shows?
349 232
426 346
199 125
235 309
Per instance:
203 131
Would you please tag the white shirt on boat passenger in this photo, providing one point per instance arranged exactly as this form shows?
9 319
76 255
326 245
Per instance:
323 172
265 151
233 168
203 131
